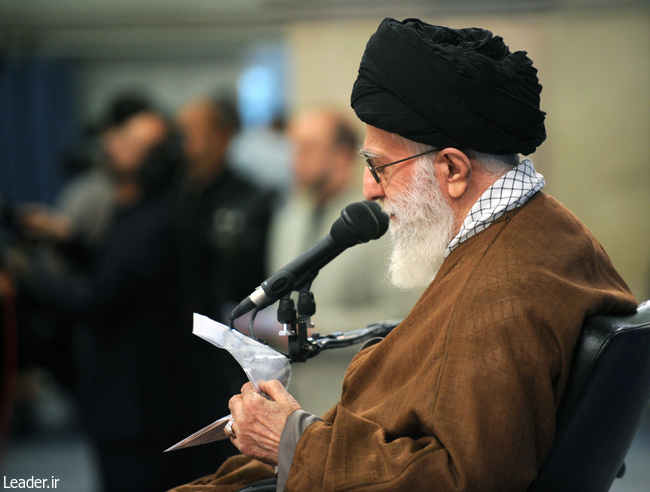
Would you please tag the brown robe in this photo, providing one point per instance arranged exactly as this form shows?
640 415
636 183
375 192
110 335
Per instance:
462 395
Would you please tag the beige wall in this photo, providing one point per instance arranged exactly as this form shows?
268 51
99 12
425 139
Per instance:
598 150
595 69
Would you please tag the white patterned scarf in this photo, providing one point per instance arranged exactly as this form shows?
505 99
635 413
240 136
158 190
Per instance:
510 191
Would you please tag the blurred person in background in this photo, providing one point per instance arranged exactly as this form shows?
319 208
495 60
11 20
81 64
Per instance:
223 221
133 349
85 206
225 217
66 237
89 199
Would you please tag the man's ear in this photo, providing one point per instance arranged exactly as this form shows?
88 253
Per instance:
456 169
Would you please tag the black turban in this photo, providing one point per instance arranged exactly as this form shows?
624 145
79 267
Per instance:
460 88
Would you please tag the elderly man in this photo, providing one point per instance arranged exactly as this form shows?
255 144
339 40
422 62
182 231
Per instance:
462 394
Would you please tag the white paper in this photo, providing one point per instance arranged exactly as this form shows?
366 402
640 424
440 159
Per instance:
259 361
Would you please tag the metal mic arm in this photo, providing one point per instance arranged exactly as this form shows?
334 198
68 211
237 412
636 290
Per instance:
319 343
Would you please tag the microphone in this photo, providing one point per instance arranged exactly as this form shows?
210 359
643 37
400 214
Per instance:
359 222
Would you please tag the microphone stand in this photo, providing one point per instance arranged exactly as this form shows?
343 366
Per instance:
295 323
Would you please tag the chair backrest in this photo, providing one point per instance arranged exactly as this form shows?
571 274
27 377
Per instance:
606 395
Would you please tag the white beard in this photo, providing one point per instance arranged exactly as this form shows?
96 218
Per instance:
421 230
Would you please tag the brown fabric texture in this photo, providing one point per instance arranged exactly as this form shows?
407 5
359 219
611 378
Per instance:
232 475
462 395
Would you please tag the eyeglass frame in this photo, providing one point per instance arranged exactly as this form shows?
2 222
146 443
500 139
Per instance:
370 164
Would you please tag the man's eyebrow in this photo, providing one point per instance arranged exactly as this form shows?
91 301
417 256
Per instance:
367 153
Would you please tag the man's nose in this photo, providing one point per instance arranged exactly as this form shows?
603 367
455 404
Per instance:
371 189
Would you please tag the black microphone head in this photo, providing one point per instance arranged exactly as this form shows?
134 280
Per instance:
382 217
359 223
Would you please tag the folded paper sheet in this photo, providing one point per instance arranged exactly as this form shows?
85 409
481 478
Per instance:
259 362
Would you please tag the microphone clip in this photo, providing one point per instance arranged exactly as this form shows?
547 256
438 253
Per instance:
295 328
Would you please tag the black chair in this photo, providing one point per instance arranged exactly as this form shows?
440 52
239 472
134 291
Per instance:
606 395
607 392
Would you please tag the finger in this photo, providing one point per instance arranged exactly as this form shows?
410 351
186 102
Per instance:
235 405
247 389
275 390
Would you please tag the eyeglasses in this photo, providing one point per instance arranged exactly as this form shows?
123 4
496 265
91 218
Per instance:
373 168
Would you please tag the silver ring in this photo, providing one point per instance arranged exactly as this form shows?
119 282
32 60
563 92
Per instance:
228 428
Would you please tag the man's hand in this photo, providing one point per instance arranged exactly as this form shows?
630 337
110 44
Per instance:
259 422
39 222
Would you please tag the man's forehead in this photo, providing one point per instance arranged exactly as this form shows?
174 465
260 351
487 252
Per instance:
380 143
